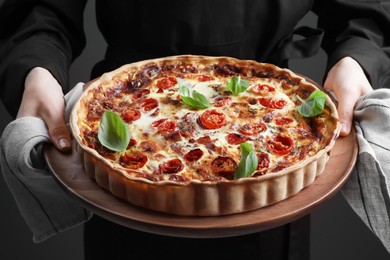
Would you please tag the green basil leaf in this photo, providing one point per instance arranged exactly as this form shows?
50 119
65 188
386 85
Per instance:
113 132
313 105
248 162
236 85
192 98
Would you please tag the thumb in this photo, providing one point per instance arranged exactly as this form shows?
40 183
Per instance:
345 111
59 134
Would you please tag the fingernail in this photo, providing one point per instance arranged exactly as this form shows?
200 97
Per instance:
344 128
63 143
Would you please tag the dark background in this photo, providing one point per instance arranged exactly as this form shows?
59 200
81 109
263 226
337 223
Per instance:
337 233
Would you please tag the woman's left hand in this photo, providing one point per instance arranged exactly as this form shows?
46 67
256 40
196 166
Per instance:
347 80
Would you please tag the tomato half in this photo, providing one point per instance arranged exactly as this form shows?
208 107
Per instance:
193 155
273 103
140 94
233 138
252 129
149 104
164 126
212 119
171 166
166 82
129 115
283 120
203 78
262 89
133 160
263 161
223 166
132 143
203 140
222 101
280 145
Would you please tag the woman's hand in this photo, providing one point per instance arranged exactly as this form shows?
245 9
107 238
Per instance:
43 98
348 82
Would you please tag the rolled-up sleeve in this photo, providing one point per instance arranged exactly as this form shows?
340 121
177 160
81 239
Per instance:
42 33
361 30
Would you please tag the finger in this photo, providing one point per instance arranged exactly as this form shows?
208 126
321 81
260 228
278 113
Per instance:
345 111
60 136
58 131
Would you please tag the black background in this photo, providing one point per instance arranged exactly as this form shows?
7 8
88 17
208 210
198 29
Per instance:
337 233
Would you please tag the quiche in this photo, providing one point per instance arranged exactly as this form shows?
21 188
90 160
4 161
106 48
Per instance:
203 136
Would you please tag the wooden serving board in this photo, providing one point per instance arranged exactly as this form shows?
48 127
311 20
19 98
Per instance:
69 172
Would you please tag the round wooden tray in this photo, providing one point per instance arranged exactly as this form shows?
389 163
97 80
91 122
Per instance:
69 172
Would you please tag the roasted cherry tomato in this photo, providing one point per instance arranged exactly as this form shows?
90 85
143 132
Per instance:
283 120
140 94
262 89
132 143
263 161
129 115
223 166
133 160
234 138
280 145
164 125
273 103
171 166
166 82
203 78
193 155
222 101
252 129
149 146
149 104
203 140
212 119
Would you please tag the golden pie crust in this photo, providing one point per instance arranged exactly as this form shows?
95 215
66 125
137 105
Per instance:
196 197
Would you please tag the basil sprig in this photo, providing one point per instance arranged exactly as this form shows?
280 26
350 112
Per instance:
236 85
313 105
113 132
192 98
248 162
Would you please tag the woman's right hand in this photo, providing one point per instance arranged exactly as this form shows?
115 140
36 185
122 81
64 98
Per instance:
43 98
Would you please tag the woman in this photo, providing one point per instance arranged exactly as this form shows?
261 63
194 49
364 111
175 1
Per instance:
43 38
